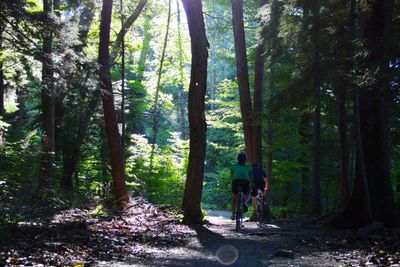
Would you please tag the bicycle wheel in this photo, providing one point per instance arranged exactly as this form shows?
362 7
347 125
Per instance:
260 209
239 211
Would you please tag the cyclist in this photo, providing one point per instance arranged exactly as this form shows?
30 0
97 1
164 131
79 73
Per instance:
260 182
241 176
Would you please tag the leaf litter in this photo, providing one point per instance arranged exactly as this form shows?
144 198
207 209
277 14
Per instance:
78 237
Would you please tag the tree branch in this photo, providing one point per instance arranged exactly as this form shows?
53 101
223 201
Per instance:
128 23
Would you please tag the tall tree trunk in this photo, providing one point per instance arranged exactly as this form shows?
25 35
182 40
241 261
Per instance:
72 136
344 159
258 94
197 122
242 75
110 121
159 74
181 93
127 24
123 84
145 49
46 175
316 58
372 198
316 167
276 13
303 160
73 146
59 109
135 122
2 85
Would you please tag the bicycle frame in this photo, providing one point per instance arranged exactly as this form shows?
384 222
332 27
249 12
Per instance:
260 206
239 210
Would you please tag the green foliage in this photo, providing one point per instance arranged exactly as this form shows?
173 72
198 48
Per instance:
164 183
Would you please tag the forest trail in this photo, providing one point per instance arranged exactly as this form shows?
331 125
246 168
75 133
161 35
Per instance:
148 236
282 244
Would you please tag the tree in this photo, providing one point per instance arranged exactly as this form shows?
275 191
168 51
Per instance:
372 197
258 104
181 92
2 85
158 85
48 105
243 75
316 84
196 106
110 121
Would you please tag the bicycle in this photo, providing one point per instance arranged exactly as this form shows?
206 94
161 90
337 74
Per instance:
239 210
261 204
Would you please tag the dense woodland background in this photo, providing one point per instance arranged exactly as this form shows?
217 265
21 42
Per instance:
313 83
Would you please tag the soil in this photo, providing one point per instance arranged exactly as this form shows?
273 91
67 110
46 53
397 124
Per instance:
148 235
284 243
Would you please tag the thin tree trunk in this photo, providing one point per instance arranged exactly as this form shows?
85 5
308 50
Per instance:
128 23
110 121
159 74
316 166
197 123
123 85
276 13
258 94
243 75
344 167
46 175
145 49
181 93
73 138
361 159
305 180
2 85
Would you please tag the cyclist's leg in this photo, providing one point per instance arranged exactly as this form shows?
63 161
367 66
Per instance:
234 203
254 199
246 193
235 190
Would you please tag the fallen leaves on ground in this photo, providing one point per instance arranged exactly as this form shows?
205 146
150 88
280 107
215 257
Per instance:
73 237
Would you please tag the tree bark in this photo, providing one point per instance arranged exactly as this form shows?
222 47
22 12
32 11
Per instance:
196 105
372 197
123 83
303 160
46 175
181 93
155 107
316 58
243 75
2 85
128 23
145 49
110 121
258 94
2 90
72 136
159 74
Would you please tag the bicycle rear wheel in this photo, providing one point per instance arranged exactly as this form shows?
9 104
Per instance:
239 211
260 209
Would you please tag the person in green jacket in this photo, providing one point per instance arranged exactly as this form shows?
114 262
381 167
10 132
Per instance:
241 177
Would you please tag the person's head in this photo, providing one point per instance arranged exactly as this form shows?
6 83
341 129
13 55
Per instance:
241 158
256 164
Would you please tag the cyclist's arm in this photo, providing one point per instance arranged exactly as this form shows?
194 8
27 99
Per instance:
266 180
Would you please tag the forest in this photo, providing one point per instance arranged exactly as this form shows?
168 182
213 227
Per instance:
125 118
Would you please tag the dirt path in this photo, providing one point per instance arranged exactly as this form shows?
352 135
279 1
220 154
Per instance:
282 244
